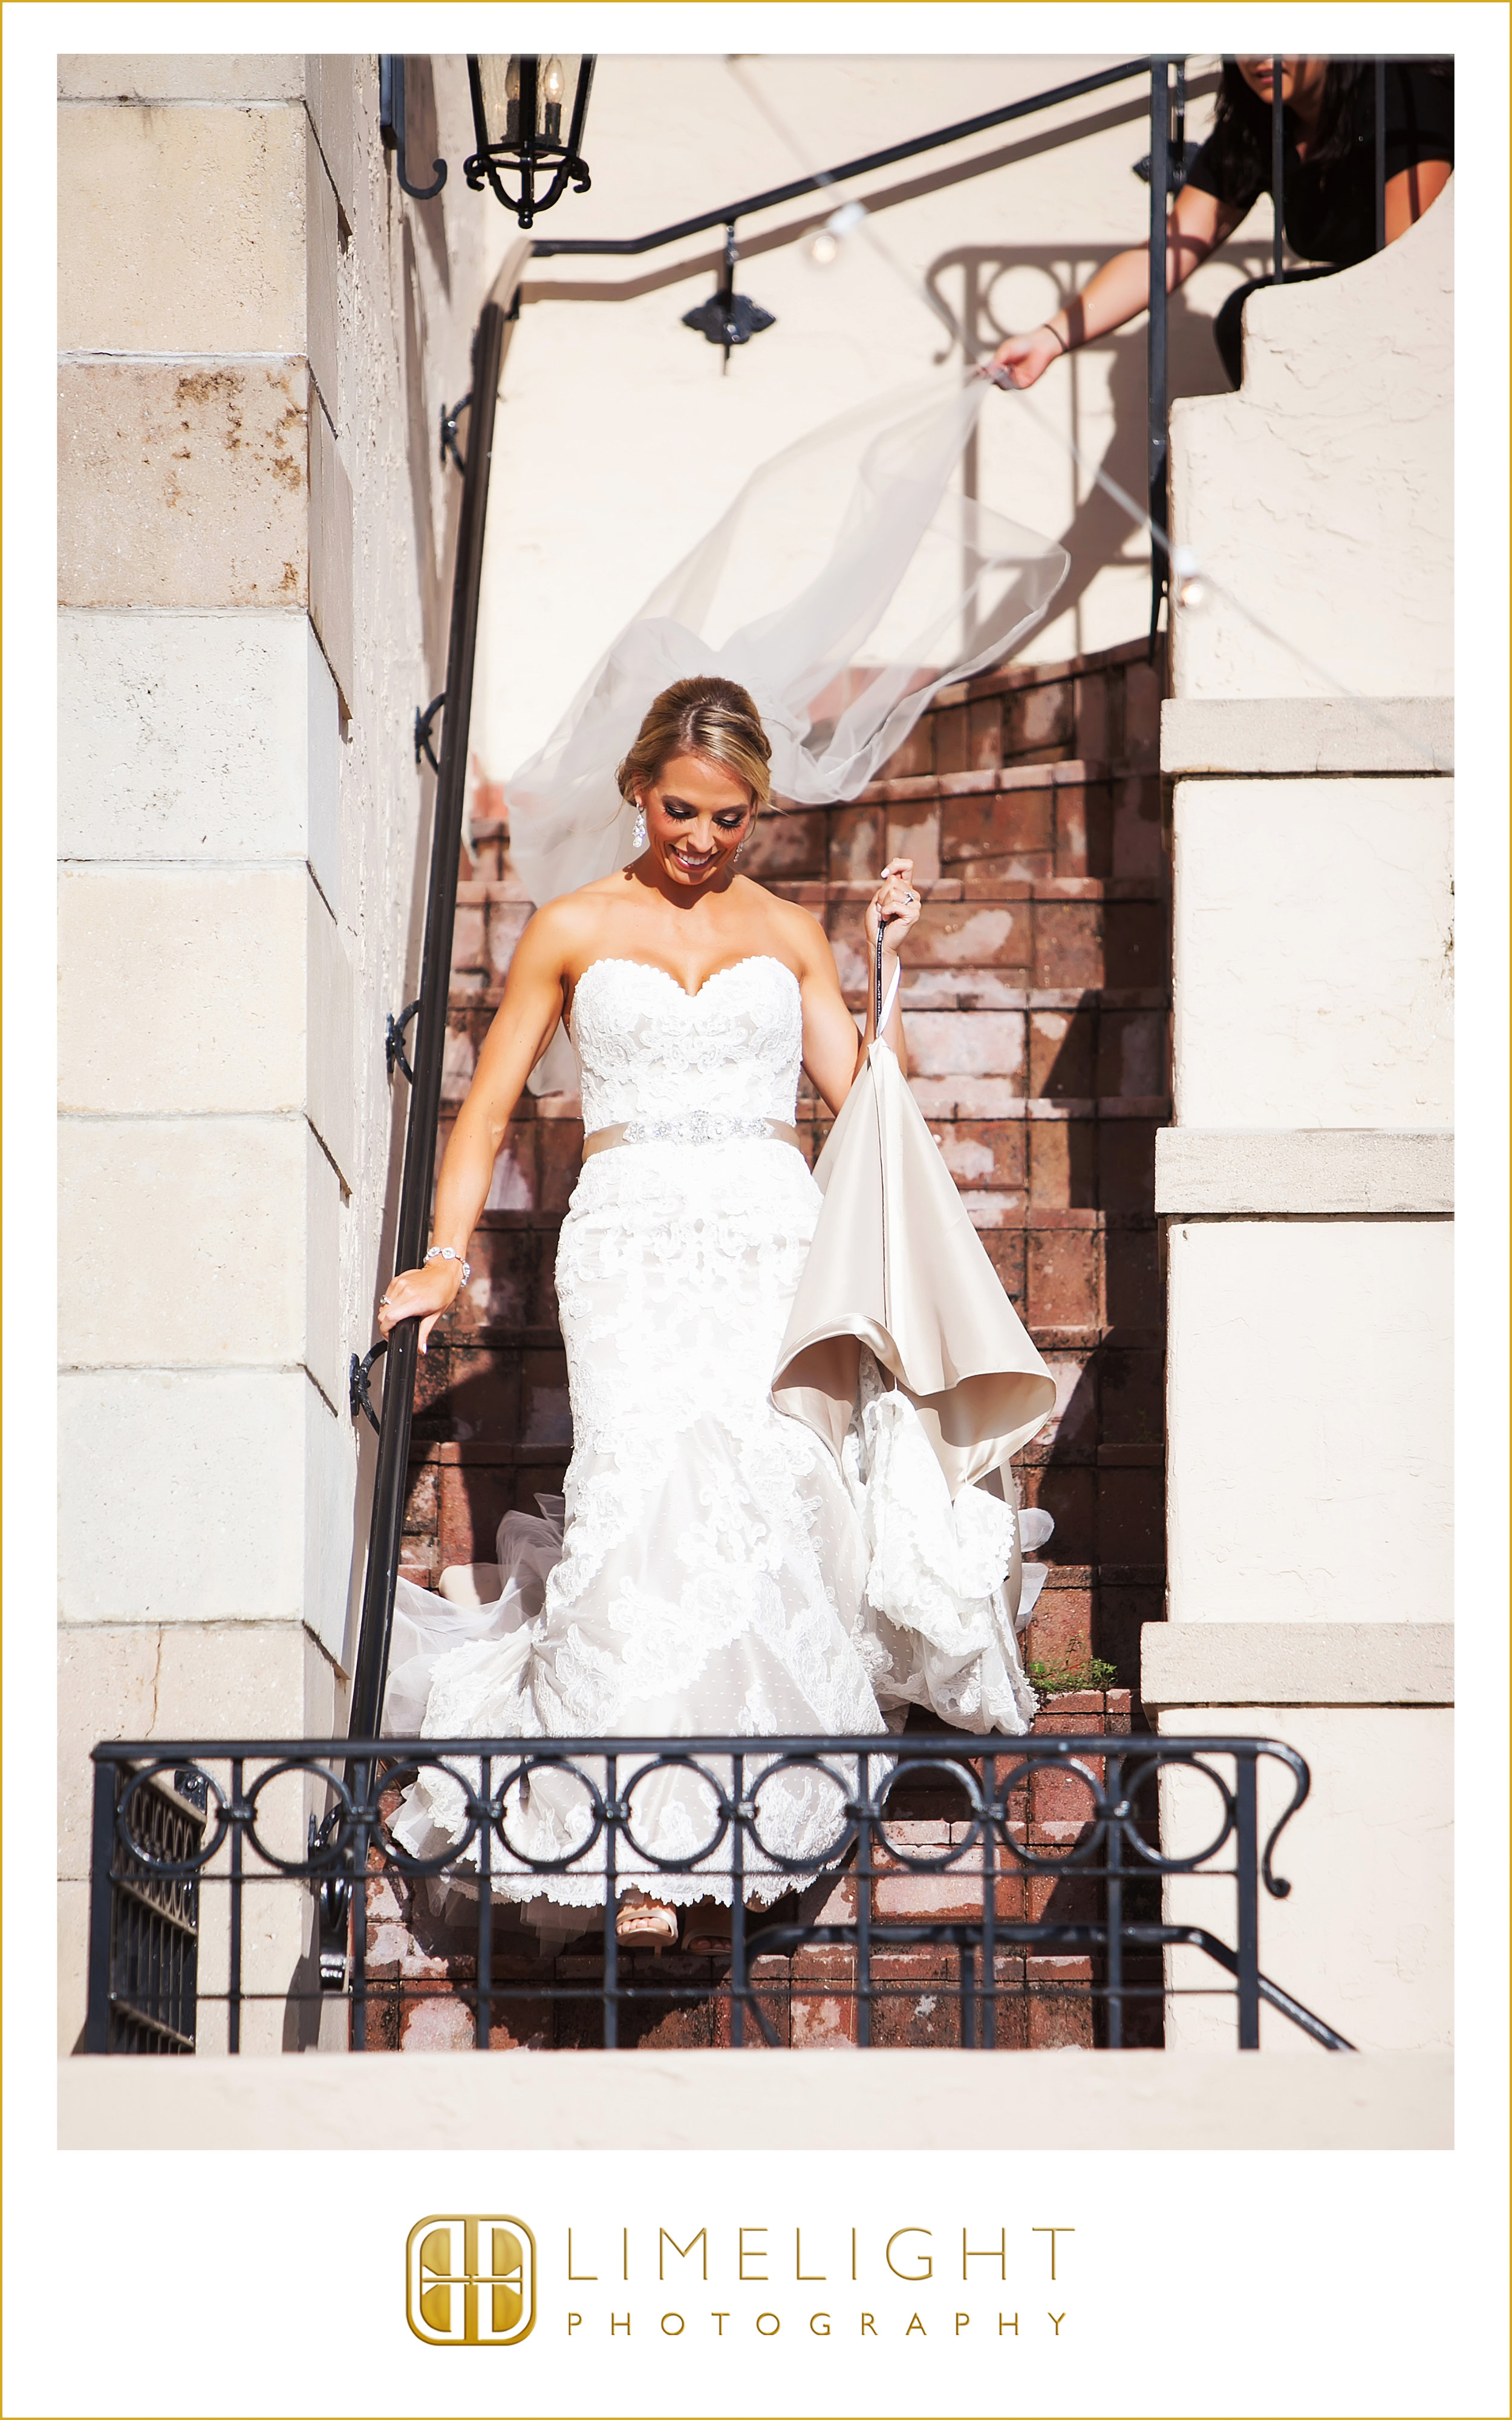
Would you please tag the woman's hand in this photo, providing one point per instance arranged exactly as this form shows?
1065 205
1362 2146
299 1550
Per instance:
422 1293
894 908
1027 358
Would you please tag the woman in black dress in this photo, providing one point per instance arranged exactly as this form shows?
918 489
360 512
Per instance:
1328 191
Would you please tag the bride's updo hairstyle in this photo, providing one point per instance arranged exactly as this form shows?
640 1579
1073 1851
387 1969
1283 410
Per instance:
703 716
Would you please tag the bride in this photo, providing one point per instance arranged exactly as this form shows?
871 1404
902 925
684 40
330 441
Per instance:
712 1573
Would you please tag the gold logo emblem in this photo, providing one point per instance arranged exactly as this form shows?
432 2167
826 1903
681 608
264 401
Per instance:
471 2281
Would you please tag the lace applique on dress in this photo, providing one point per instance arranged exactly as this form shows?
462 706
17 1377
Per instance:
718 1575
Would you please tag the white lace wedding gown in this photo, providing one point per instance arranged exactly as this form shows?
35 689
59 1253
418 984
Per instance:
718 1574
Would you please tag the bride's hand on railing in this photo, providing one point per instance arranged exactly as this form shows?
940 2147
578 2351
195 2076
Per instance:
424 1294
894 908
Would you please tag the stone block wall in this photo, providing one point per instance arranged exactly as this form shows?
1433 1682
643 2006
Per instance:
1037 996
252 562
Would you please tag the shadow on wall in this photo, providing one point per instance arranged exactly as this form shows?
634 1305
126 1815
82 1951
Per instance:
967 283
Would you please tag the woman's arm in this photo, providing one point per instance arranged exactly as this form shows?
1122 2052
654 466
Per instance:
833 1052
1409 195
1198 222
528 1017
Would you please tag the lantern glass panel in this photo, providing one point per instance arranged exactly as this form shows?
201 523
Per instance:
500 79
556 88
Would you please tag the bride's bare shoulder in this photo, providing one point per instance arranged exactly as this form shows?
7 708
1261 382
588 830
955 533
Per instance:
576 912
798 928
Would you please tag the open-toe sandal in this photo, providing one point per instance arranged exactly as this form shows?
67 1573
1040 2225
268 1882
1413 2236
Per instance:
706 1932
646 1926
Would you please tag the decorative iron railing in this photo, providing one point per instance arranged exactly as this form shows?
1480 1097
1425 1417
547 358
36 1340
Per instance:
1031 1871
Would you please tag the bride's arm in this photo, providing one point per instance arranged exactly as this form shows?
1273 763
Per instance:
528 1017
832 1051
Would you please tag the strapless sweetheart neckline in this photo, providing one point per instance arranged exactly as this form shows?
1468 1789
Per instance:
752 958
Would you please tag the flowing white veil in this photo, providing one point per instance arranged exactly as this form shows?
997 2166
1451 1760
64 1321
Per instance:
848 581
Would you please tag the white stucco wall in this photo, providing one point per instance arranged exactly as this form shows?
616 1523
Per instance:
1364 1937
1333 899
254 550
621 443
1323 492
1310 1410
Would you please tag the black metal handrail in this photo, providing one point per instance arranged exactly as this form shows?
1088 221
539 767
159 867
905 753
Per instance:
387 1521
730 213
991 1841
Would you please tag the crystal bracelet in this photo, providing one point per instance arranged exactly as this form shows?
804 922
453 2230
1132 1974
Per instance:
445 1252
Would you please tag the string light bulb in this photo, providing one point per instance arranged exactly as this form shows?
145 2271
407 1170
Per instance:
1186 578
826 245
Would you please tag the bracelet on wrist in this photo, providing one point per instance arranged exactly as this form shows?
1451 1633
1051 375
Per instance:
445 1252
1056 333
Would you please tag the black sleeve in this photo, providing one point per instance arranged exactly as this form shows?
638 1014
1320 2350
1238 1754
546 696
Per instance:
1214 173
1420 116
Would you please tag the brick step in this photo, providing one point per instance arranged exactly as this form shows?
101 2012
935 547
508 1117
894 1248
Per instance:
809 2003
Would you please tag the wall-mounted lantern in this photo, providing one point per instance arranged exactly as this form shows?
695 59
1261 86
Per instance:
518 105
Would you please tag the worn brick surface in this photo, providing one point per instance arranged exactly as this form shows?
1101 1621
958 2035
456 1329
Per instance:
1138 846
1041 719
998 825
1059 2004
1063 1048
546 1416
1069 950
916 755
1084 829
819 2021
1133 1387
770 1981
1063 1278
1121 1613
1133 1292
1062 1629
790 841
855 844
1126 1166
989 1152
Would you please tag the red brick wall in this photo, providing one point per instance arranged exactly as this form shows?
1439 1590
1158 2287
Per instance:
1037 1001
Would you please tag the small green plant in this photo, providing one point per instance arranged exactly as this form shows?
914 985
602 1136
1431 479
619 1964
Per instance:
1086 1672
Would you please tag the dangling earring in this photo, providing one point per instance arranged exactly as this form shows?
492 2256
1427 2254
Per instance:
638 830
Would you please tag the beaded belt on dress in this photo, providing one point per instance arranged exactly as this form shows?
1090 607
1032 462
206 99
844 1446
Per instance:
698 1126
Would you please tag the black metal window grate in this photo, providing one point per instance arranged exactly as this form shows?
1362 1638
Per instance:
153 1916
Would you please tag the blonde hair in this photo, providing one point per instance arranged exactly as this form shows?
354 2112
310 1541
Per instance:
706 716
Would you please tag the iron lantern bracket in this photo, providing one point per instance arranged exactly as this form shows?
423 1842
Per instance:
391 128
